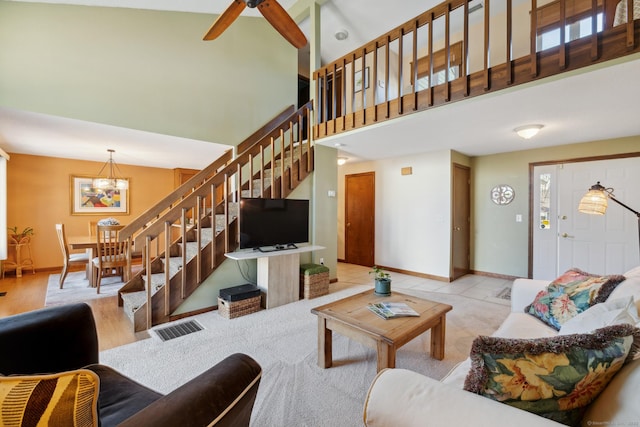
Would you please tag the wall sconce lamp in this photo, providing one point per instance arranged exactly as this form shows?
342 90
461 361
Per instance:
595 202
528 131
342 160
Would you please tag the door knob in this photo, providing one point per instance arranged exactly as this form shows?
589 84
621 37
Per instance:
348 224
565 235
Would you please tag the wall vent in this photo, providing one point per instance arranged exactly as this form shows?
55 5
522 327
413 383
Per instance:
178 330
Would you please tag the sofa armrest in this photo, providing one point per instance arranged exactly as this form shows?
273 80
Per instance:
524 291
53 339
222 396
399 397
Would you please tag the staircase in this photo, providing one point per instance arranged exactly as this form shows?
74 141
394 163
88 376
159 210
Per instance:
183 238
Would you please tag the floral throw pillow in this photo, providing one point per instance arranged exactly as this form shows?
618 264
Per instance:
556 377
571 294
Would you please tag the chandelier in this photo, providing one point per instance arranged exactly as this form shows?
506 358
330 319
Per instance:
110 182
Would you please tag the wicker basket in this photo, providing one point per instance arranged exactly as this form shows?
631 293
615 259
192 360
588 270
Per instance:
233 309
314 281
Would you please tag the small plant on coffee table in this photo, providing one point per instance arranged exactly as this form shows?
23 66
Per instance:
382 281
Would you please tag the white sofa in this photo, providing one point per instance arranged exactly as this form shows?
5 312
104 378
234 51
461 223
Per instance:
398 397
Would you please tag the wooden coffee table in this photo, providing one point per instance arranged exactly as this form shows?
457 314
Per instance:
351 317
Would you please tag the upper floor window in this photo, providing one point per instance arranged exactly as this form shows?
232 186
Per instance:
574 31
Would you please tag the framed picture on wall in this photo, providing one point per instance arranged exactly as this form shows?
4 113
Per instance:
87 200
358 79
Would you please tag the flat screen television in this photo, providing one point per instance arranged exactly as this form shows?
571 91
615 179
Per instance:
273 224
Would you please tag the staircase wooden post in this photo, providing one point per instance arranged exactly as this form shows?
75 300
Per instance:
198 225
149 313
167 272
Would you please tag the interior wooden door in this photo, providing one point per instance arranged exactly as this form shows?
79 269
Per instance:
360 218
461 213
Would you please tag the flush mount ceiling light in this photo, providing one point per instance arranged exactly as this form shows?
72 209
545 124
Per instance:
342 160
341 35
528 131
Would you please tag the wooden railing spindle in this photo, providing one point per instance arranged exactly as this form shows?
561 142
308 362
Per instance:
509 76
447 49
594 30
630 25
534 38
562 59
374 80
431 90
400 55
363 92
414 71
353 91
334 101
487 50
344 93
167 276
465 50
386 79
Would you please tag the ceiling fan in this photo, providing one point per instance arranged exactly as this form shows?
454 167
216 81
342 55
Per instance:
271 10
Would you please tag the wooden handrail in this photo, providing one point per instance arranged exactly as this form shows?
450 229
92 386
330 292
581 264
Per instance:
414 68
177 194
174 213
269 127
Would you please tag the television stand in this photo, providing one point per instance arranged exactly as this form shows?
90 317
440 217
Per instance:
278 272
265 249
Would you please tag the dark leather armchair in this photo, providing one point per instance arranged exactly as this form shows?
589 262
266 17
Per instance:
64 338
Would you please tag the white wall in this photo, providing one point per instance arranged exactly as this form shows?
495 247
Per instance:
413 212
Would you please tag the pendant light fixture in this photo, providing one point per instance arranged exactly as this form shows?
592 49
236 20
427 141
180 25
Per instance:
110 182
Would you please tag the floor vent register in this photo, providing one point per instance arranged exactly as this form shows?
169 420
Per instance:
178 330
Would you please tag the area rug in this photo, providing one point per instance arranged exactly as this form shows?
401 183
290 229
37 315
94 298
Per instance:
294 391
76 288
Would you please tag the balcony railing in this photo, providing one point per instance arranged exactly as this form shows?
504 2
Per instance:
457 50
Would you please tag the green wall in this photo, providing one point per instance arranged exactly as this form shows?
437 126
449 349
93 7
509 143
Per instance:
500 244
143 69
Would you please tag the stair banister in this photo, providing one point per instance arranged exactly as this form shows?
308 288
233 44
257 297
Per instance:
192 202
155 211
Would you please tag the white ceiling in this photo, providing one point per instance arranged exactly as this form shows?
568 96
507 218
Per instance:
585 107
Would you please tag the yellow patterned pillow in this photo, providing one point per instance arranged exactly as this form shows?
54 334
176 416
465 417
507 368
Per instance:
63 399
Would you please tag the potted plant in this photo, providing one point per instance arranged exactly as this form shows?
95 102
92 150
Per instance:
20 237
382 281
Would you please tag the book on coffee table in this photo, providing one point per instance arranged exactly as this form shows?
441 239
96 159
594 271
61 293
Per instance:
389 310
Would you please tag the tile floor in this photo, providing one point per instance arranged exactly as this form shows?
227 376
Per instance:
472 286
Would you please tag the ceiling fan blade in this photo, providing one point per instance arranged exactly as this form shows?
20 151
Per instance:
282 22
226 19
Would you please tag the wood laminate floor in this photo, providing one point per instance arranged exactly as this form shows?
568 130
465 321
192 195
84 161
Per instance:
28 292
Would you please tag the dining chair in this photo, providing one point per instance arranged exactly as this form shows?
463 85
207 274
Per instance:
92 228
111 253
69 258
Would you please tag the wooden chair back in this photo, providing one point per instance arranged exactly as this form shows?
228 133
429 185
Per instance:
110 250
111 253
62 239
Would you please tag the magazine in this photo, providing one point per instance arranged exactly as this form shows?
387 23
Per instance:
389 310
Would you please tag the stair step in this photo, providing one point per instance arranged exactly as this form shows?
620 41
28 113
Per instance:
132 301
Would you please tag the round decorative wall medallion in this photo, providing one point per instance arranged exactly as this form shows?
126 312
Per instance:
502 194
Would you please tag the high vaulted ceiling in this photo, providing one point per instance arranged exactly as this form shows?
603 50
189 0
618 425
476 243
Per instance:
586 106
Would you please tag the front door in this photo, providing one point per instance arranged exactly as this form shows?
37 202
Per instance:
606 244
360 218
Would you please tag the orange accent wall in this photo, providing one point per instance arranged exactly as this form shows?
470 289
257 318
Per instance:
39 196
